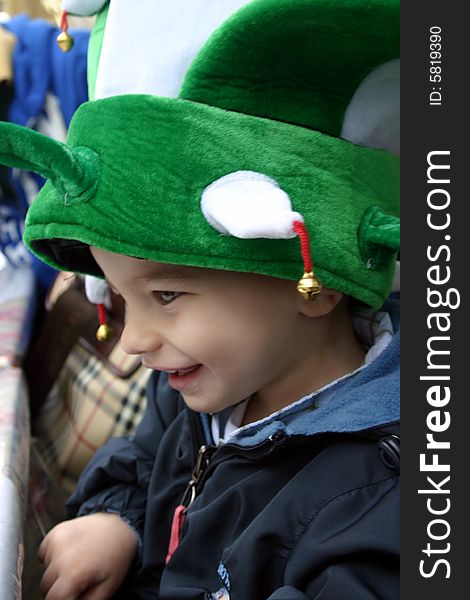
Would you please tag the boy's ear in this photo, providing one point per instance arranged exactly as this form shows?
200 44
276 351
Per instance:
325 302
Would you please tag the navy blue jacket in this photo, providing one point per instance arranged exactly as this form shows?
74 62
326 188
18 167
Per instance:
302 505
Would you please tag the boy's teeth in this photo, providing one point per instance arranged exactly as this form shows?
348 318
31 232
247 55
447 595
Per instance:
182 371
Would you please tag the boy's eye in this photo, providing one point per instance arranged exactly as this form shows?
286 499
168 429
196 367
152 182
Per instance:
165 298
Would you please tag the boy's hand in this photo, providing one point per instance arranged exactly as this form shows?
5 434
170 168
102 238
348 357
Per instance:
87 557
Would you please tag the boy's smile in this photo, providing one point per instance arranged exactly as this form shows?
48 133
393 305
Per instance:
180 379
221 336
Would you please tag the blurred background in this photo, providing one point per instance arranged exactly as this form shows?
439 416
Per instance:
44 9
62 392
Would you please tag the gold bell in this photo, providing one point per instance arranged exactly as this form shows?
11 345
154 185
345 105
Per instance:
309 286
65 41
103 333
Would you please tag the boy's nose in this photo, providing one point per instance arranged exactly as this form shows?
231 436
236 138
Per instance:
139 337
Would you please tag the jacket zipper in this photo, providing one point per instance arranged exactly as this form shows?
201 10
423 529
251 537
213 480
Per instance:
216 455
200 470
203 459
199 475
202 462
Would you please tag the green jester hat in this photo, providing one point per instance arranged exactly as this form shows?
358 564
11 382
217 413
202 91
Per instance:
249 136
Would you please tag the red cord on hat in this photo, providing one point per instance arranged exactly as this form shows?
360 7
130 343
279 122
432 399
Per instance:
102 314
308 286
302 232
64 25
103 332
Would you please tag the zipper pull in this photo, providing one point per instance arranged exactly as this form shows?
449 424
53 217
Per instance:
175 535
202 462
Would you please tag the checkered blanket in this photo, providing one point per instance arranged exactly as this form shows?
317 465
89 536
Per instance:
86 406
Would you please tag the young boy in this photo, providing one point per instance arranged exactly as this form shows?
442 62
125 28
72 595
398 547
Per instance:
286 506
266 466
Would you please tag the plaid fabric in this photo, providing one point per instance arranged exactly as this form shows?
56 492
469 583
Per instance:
87 405
16 303
11 315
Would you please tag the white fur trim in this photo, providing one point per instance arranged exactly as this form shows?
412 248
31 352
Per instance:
148 45
97 291
249 205
372 118
83 8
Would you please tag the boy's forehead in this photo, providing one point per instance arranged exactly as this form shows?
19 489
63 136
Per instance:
166 271
142 268
134 271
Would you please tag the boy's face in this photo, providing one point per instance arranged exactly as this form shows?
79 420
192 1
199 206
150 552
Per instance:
221 336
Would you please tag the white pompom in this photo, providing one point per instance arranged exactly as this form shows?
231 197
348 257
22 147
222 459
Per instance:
249 205
97 291
83 8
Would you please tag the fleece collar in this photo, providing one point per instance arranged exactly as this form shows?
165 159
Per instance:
365 399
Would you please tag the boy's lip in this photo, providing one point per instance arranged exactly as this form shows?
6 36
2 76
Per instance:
181 378
172 370
178 377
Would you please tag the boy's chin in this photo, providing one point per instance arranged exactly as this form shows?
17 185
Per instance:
205 405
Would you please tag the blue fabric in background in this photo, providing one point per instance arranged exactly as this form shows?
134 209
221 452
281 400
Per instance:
30 66
40 68
69 74
11 228
12 213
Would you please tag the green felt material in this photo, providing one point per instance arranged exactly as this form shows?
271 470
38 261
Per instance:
131 176
148 202
379 238
298 61
74 172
